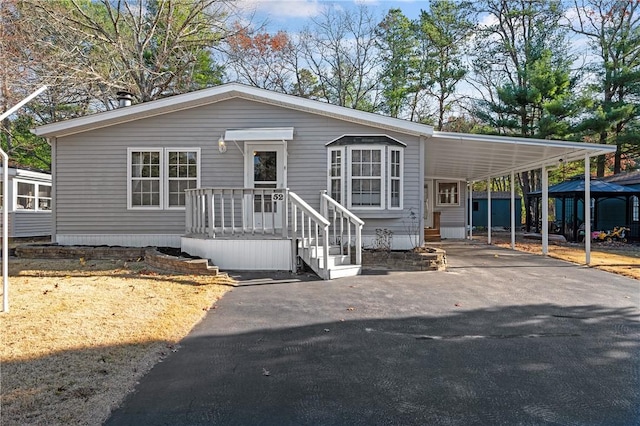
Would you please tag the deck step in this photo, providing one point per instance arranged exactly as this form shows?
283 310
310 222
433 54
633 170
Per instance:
339 265
432 235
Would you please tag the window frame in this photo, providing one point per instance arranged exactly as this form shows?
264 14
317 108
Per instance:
167 151
36 197
340 178
163 176
346 177
458 195
399 178
350 178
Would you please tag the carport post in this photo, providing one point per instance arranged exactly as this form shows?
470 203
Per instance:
488 210
5 216
545 210
513 211
587 210
470 189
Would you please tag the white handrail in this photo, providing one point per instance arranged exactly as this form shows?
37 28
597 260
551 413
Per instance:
352 220
341 208
311 232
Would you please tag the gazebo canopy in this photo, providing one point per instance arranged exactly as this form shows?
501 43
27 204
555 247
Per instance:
598 189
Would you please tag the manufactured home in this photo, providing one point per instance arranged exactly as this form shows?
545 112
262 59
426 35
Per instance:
29 202
254 179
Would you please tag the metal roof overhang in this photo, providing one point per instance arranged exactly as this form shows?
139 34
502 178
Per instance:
470 157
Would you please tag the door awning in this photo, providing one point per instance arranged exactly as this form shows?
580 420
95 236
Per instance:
260 134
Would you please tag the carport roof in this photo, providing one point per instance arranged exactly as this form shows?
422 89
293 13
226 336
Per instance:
455 156
470 157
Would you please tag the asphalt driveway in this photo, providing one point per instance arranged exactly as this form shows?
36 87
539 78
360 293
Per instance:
503 337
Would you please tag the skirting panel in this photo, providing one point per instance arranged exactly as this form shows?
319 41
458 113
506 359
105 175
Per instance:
124 240
456 232
242 255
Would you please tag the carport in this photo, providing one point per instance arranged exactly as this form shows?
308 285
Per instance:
471 158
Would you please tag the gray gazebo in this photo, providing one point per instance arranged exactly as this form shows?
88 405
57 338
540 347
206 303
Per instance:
569 206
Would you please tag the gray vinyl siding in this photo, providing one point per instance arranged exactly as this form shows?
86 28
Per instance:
454 216
29 224
91 168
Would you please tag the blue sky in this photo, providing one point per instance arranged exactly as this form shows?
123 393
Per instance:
292 15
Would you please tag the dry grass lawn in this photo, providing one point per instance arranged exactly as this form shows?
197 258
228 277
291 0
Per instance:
78 335
619 259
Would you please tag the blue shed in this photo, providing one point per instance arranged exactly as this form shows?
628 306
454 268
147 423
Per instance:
500 209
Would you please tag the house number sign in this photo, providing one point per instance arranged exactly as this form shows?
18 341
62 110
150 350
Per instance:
278 197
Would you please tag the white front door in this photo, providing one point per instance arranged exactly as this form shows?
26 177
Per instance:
265 167
428 208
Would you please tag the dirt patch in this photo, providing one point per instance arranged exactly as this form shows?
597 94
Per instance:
619 258
80 333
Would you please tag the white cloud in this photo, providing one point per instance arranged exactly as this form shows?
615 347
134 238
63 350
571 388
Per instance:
283 9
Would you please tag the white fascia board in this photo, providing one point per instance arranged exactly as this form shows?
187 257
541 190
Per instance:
260 134
223 92
548 162
584 146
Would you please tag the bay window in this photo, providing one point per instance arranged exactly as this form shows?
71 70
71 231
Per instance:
366 176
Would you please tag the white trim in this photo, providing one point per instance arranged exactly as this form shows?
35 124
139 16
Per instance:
366 135
163 178
168 178
225 92
36 195
260 134
248 161
342 172
437 193
399 178
600 149
349 175
160 152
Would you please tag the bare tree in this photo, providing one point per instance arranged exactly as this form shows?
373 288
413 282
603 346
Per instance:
153 49
341 51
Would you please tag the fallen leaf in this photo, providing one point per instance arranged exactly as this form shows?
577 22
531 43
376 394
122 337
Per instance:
351 308
265 372
326 330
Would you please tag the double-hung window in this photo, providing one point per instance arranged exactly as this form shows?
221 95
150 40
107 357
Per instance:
448 194
366 172
32 196
158 177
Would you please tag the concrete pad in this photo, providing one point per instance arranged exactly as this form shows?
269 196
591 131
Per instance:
503 337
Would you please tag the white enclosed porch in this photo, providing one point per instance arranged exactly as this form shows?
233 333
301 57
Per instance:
272 229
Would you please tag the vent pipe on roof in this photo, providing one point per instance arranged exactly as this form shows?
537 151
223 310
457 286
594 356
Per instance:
124 99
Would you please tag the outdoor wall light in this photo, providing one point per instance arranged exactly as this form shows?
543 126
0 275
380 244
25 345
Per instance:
222 146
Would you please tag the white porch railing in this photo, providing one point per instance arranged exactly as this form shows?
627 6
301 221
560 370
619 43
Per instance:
319 238
218 212
344 226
